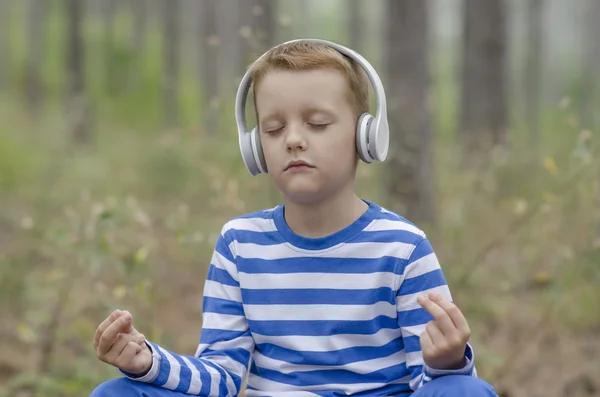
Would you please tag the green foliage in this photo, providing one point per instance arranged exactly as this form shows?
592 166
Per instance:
131 222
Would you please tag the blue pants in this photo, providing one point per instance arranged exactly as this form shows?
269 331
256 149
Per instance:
446 386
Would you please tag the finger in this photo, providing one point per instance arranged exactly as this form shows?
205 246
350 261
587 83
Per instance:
109 336
104 324
453 311
136 340
436 335
116 348
140 338
129 328
427 345
127 354
439 314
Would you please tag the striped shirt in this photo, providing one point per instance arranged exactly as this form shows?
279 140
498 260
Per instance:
311 316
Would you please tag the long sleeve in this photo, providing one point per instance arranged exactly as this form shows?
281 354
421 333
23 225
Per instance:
421 273
221 360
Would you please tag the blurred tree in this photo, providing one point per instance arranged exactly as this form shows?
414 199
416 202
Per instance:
244 30
171 40
208 62
591 64
262 38
302 20
4 59
284 29
139 10
410 177
35 56
109 10
354 25
77 107
533 61
484 99
229 60
263 25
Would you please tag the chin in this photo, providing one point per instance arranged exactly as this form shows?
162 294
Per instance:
304 194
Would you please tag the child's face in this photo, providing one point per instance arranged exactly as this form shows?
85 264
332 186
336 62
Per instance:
306 115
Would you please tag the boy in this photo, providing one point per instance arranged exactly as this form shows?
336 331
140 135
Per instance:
328 294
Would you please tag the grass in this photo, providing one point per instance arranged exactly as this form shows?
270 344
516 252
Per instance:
131 222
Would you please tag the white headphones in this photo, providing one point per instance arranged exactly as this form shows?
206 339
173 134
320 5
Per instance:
372 133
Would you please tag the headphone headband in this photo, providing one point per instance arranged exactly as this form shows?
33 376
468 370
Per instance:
246 82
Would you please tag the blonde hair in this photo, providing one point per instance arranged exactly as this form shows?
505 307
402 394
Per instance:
305 55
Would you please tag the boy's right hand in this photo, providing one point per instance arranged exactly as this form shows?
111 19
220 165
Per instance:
119 344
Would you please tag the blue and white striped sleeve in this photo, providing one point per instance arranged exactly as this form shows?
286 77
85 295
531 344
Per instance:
420 274
221 360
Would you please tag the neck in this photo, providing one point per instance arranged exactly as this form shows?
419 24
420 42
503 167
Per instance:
325 217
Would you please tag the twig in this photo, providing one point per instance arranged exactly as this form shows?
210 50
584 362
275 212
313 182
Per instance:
49 341
516 226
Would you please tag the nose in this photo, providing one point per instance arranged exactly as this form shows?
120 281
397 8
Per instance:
295 139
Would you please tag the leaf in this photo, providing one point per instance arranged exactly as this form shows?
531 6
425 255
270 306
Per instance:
550 165
520 206
119 292
548 197
143 291
104 244
564 103
542 278
140 256
26 333
106 214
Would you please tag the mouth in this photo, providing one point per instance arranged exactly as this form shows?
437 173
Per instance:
298 165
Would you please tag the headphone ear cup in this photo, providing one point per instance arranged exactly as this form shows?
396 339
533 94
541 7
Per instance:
258 151
363 129
248 153
252 153
379 140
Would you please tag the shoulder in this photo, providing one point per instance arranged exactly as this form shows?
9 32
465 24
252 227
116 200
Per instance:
393 227
419 257
389 221
260 221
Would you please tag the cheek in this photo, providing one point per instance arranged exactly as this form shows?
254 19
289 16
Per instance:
346 146
341 154
269 151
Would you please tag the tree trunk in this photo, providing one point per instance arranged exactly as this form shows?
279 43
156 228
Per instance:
171 36
354 25
484 108
140 24
591 79
4 59
410 182
35 33
209 67
109 9
245 32
535 17
264 37
139 10
77 102
591 65
264 32
302 20
228 55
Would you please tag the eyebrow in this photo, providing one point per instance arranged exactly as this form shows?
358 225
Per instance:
269 117
323 110
308 111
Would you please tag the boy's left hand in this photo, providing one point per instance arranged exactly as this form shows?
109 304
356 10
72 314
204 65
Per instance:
445 339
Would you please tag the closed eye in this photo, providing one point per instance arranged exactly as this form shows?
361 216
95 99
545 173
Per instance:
318 126
273 131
